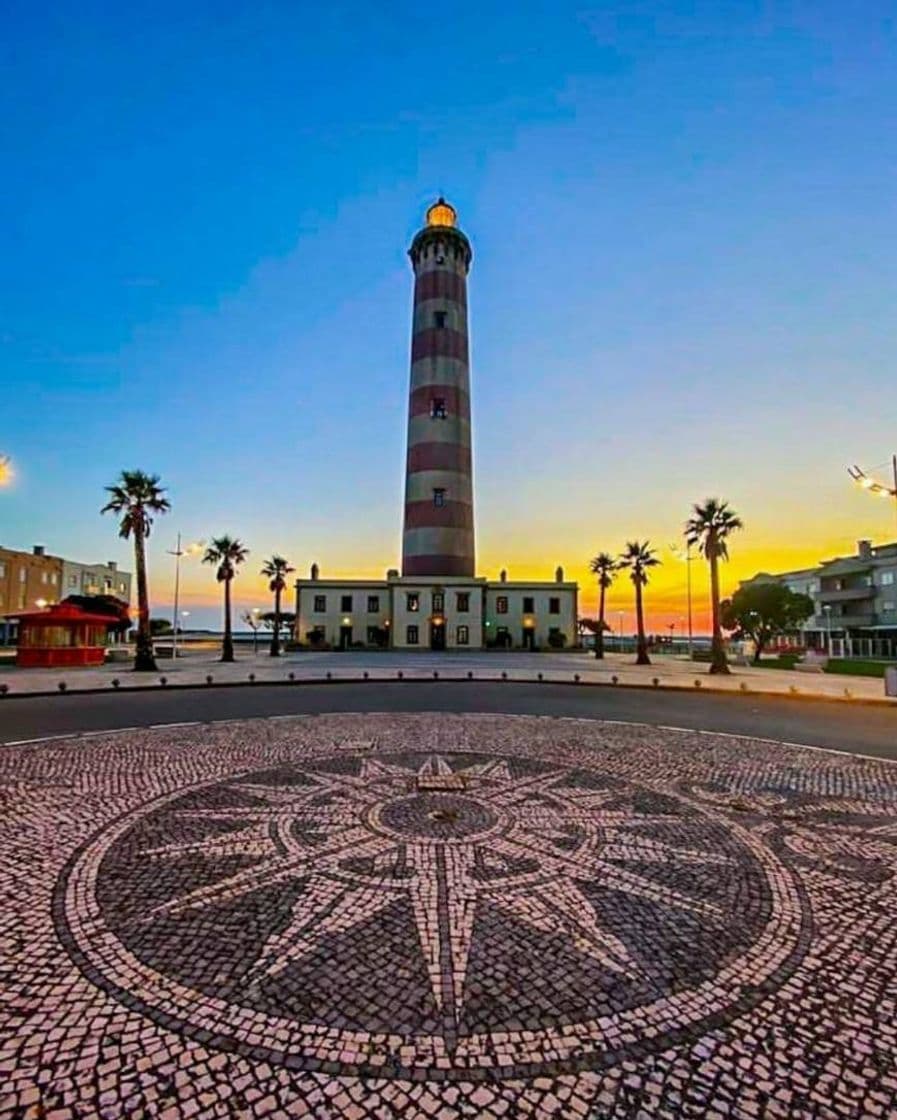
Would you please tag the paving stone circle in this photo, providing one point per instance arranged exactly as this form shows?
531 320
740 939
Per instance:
496 915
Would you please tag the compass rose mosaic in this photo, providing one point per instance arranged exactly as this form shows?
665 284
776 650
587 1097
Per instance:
467 912
440 916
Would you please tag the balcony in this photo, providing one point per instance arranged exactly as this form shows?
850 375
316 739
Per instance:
848 595
839 621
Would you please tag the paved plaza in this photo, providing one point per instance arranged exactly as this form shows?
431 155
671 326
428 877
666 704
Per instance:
424 915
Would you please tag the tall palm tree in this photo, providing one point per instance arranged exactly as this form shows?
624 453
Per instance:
228 553
709 527
276 570
603 566
638 558
136 497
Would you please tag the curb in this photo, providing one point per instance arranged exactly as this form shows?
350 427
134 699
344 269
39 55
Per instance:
400 678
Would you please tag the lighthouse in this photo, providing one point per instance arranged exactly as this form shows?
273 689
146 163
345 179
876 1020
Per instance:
438 534
437 601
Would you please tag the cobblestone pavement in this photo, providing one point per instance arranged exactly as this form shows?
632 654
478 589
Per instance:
445 916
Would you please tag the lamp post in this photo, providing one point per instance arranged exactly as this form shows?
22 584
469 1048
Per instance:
620 629
177 553
255 631
860 477
687 558
828 629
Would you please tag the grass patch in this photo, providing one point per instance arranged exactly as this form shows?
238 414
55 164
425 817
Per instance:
857 667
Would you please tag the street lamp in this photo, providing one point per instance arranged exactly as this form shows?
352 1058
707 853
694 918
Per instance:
828 629
687 558
5 470
620 629
860 477
177 553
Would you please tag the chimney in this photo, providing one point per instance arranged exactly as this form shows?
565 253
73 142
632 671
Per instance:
864 550
38 550
112 565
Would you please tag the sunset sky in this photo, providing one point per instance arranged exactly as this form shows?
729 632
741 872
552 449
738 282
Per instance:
684 276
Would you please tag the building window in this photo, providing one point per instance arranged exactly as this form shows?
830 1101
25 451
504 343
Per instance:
2 570
53 579
345 603
107 584
373 604
412 601
373 635
412 635
23 575
122 586
320 604
887 578
554 605
438 496
502 637
439 318
501 604
73 581
462 636
437 408
462 601
43 577
528 604
438 602
887 606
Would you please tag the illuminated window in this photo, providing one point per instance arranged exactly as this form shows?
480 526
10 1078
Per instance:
462 637
462 601
438 496
501 604
23 575
438 602
887 578
437 408
412 635
320 604
412 601
439 318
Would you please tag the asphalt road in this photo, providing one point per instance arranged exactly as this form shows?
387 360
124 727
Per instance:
854 728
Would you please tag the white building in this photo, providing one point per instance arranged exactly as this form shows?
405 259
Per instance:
95 579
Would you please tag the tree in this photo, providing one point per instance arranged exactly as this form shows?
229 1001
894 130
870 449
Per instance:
760 611
287 619
228 553
603 566
160 626
638 558
276 570
136 497
710 527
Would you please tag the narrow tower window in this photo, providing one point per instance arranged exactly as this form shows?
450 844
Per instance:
439 318
437 408
438 496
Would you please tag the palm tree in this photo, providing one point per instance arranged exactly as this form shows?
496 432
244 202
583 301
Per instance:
137 496
638 557
603 566
275 570
709 528
228 553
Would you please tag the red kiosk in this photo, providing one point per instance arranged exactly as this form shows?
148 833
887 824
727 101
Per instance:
62 634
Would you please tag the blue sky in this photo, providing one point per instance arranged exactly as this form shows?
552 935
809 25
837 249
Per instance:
684 278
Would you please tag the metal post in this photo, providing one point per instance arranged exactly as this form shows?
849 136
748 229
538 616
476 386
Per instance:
894 466
178 552
688 584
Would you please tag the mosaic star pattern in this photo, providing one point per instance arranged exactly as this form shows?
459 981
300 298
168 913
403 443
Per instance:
432 915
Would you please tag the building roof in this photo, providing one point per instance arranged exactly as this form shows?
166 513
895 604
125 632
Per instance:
61 614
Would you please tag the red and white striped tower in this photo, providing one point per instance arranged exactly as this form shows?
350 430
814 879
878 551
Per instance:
438 532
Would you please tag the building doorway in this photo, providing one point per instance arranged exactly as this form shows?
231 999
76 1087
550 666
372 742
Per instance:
345 637
437 635
529 638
